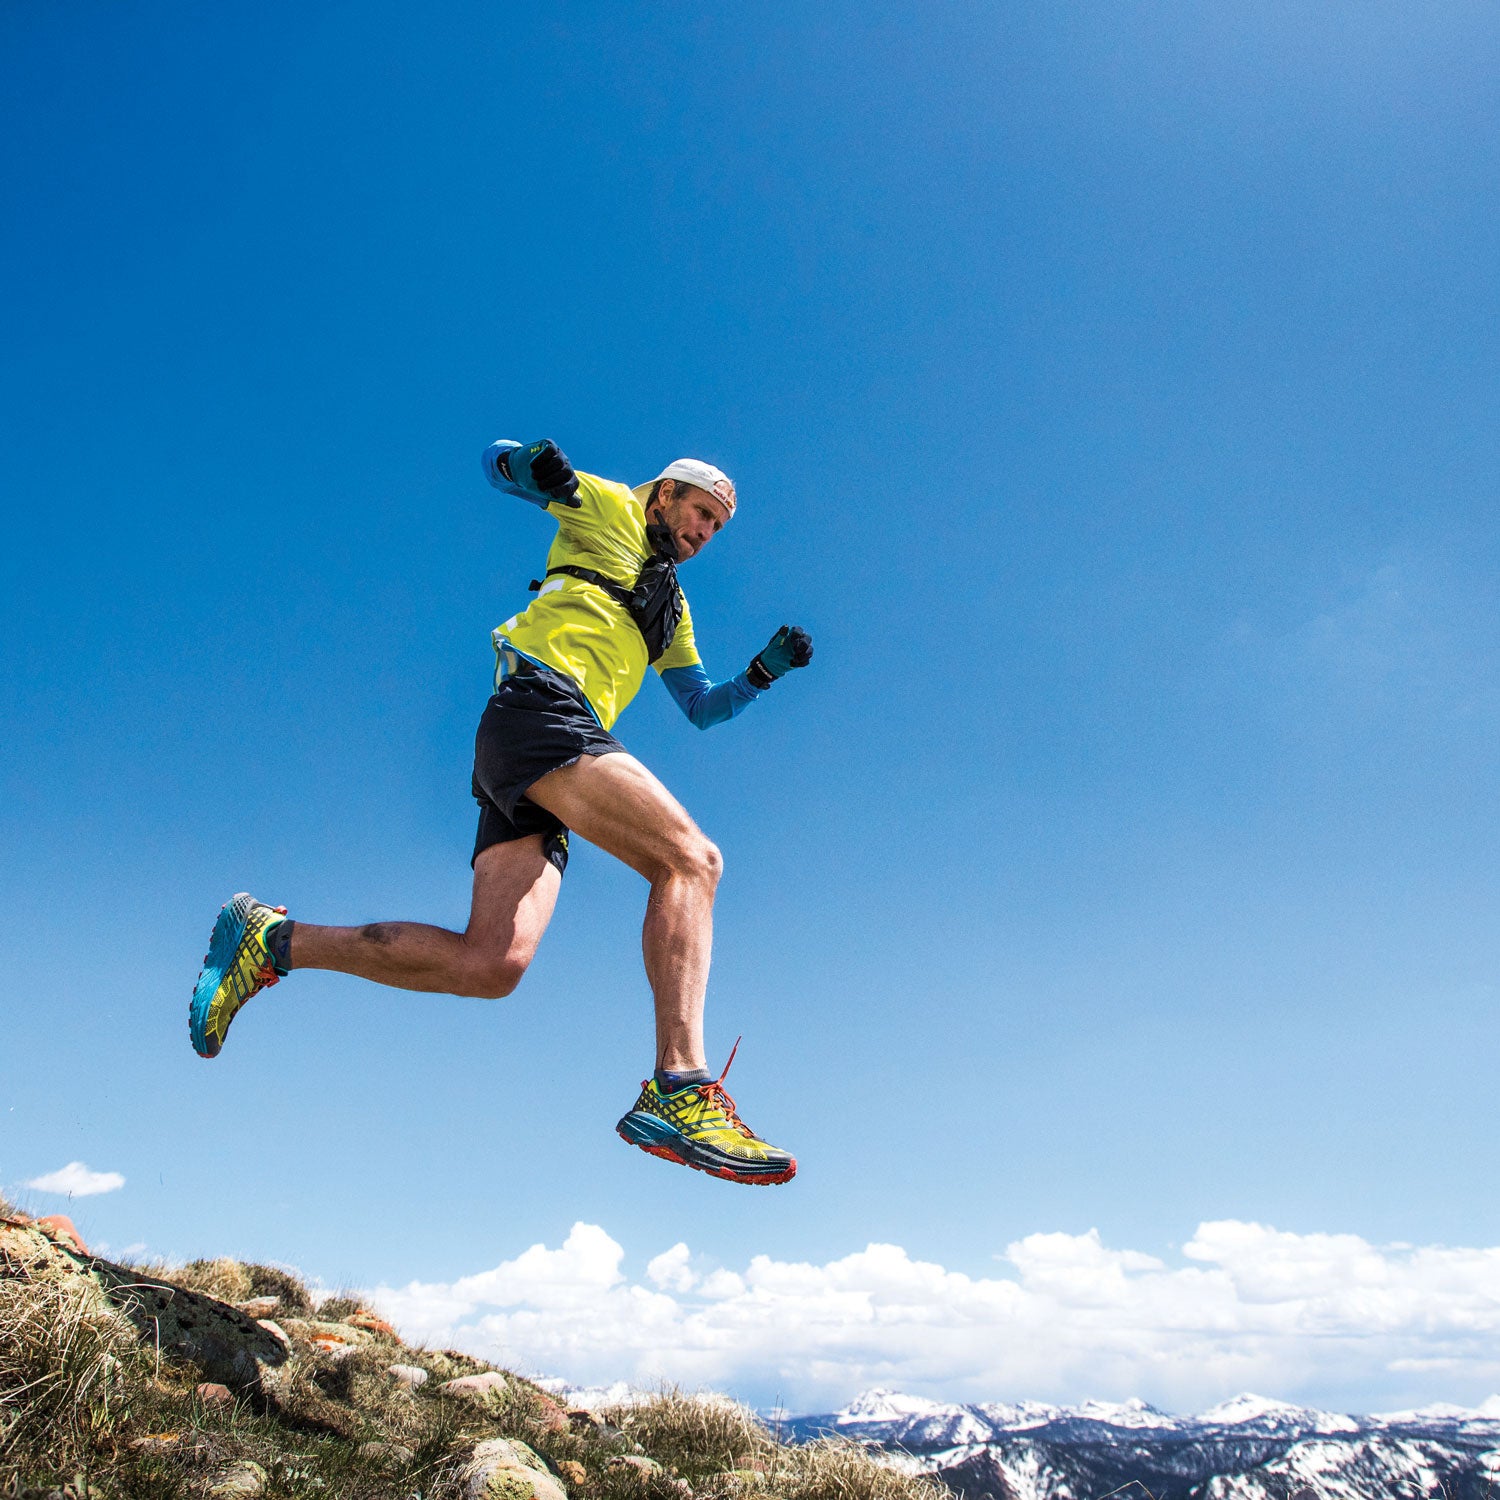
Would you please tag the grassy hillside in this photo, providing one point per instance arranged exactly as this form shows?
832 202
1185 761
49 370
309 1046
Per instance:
223 1379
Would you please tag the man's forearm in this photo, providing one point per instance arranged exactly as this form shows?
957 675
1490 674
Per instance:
705 702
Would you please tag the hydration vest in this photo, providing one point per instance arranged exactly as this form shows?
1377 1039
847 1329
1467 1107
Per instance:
654 603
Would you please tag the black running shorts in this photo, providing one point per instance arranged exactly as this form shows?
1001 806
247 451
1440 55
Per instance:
537 721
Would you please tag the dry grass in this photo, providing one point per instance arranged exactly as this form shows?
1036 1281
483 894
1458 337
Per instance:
87 1410
725 1450
835 1469
696 1435
238 1281
68 1370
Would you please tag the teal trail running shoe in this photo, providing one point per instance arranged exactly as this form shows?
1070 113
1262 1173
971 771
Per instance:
238 964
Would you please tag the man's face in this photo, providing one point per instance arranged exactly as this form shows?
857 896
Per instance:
692 515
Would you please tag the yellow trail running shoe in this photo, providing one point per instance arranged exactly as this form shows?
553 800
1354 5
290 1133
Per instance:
237 965
697 1126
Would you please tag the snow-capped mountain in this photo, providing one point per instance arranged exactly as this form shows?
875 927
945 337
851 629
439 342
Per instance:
1273 1418
1247 1448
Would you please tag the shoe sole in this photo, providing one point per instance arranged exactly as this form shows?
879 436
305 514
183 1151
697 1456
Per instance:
656 1138
229 928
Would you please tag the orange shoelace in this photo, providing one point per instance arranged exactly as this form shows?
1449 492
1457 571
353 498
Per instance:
716 1093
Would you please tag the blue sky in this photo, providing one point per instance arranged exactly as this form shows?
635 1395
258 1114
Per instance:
1110 391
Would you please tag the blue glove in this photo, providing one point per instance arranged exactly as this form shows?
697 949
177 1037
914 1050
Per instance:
790 647
543 471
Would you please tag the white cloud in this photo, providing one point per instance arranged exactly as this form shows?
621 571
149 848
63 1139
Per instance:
1329 1318
77 1181
671 1269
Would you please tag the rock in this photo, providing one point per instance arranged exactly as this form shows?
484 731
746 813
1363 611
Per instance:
487 1388
643 1466
506 1469
276 1331
645 1469
228 1348
367 1320
551 1415
259 1307
389 1455
155 1442
59 1229
584 1419
411 1376
327 1335
211 1393
243 1481
570 1471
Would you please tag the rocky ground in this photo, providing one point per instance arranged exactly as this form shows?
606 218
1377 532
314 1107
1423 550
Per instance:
221 1379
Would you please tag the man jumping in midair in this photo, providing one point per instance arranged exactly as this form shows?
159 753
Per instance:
545 763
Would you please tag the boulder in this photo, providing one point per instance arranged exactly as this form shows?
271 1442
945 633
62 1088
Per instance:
506 1469
228 1348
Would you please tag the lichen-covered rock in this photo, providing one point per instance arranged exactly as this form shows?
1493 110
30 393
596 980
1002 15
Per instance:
242 1481
327 1335
226 1346
570 1471
506 1469
221 1341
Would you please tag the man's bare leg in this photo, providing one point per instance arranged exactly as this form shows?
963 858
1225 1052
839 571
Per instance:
615 803
515 891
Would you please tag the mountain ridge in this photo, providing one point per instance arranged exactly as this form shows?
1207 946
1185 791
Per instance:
1249 1447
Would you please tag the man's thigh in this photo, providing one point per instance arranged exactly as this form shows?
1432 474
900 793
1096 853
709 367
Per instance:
515 891
618 805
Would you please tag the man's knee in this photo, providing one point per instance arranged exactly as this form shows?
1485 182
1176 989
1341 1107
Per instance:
697 859
493 977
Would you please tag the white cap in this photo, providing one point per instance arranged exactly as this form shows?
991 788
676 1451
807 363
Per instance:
694 471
